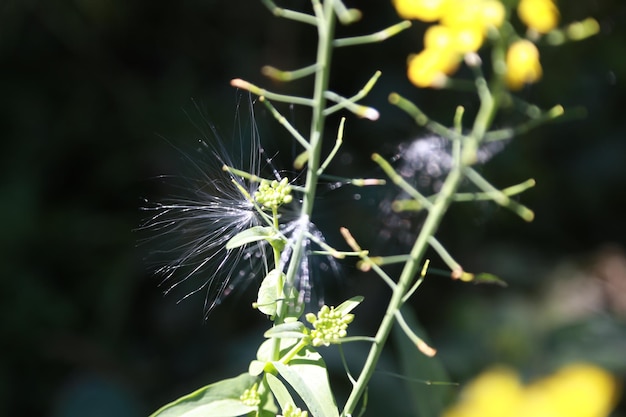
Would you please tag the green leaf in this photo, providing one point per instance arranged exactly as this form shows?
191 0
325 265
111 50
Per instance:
253 234
294 330
485 278
220 399
256 367
265 351
268 406
426 379
269 292
279 390
308 376
349 305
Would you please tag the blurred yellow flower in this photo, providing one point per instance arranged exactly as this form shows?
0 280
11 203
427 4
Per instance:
522 64
462 28
495 393
539 15
582 390
431 67
479 13
424 10
576 390
460 40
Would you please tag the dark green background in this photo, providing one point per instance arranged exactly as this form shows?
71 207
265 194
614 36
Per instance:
88 87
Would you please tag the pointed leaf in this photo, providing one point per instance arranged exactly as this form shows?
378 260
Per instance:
269 292
253 234
279 390
220 399
349 305
294 330
308 376
485 278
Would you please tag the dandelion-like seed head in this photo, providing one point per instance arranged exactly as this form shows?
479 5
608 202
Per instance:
215 201
423 162
189 229
308 280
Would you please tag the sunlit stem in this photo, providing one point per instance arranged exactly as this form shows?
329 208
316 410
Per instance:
279 75
304 342
254 178
283 121
419 281
367 263
389 260
351 339
242 174
401 182
325 21
335 253
458 119
419 343
346 368
357 182
245 85
509 191
335 149
359 110
374 37
498 196
503 134
435 214
399 206
332 251
289 14
445 256
345 15
420 117
344 102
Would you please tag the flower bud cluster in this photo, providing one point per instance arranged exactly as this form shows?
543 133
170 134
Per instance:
273 194
329 325
291 410
251 396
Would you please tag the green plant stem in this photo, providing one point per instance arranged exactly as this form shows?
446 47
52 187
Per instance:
486 113
431 224
325 33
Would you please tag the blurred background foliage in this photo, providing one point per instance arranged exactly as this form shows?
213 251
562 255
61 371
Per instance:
90 87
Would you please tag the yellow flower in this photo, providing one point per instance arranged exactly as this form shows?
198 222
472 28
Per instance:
577 390
479 13
495 393
493 13
582 390
431 67
522 64
462 39
462 28
539 15
425 10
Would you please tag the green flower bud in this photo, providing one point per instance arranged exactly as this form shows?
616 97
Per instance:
291 410
273 194
251 396
329 326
